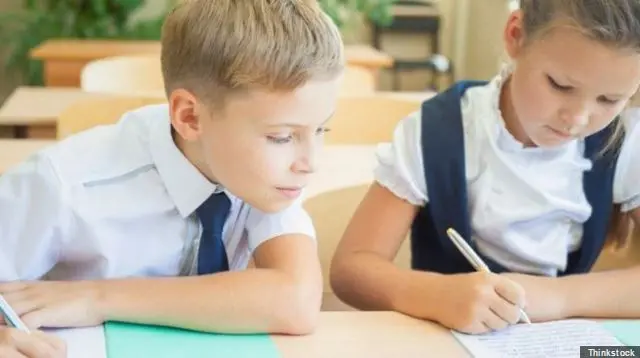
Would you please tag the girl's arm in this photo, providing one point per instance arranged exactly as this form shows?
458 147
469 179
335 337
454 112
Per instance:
364 276
610 294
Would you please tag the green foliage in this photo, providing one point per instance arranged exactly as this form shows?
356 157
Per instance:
39 20
345 12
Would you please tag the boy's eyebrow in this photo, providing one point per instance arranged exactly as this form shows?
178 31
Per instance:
297 125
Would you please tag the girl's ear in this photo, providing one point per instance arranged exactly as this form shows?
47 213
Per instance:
514 34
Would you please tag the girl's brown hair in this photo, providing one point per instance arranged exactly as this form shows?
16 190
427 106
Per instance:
615 23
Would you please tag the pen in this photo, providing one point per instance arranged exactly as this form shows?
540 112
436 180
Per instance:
11 317
474 259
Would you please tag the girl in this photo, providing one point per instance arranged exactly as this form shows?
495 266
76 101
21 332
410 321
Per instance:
17 344
526 167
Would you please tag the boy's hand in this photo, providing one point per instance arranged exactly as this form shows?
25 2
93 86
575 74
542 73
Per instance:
545 296
54 304
480 302
18 344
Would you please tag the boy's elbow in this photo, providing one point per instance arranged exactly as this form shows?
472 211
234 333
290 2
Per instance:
339 277
300 310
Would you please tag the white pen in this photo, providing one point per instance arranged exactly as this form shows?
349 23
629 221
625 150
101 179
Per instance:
475 260
11 317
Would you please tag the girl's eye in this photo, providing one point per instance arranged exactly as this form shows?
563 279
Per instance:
557 86
606 100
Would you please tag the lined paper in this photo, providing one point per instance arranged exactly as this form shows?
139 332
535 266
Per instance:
83 342
558 339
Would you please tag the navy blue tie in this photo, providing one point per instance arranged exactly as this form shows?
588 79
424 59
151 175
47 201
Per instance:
212 256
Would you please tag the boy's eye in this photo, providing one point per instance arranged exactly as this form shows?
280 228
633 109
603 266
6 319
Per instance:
322 130
558 86
279 139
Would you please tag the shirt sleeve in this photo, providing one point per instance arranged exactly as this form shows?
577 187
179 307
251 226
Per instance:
263 226
400 167
626 185
31 223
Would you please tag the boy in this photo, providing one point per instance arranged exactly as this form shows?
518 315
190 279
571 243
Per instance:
109 217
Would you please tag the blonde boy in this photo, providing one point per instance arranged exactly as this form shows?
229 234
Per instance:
100 226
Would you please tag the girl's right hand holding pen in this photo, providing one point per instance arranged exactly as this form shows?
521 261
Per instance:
18 344
480 302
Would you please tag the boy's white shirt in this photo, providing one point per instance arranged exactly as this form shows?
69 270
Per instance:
119 201
527 205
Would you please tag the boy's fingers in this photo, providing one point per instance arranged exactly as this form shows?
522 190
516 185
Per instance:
54 342
10 352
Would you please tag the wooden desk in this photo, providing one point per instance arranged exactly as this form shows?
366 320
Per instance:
33 111
63 60
15 151
371 335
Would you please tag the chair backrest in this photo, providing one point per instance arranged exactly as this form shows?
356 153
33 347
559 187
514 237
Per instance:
357 80
89 113
331 213
368 119
124 75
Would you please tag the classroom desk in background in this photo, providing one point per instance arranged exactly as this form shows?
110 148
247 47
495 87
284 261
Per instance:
64 59
32 112
15 151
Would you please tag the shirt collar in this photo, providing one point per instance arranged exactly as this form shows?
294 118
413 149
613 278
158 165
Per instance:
187 187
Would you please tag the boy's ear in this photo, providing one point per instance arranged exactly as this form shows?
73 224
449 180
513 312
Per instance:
185 119
514 35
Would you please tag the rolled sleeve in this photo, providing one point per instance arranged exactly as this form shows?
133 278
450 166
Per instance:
400 167
262 227
626 187
31 224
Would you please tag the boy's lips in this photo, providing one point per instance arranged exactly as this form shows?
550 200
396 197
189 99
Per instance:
290 192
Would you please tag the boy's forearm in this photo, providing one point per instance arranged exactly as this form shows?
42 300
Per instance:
372 283
611 294
250 301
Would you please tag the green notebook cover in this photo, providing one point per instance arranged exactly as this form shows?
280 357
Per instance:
140 341
627 331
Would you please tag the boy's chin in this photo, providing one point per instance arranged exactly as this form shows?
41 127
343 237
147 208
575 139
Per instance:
271 204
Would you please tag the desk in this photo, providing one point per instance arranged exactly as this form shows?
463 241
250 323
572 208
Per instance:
371 335
15 151
33 111
63 60
338 334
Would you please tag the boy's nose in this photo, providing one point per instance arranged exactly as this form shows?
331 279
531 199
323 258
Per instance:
305 165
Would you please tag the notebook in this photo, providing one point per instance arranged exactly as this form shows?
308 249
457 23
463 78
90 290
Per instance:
134 341
82 342
627 331
558 339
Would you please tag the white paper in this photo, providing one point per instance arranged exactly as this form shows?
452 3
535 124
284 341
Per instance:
558 339
83 342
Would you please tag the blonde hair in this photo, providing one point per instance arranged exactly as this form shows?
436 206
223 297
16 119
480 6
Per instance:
216 48
615 23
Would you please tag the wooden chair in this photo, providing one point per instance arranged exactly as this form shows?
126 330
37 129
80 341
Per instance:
357 80
368 119
89 113
331 213
124 75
